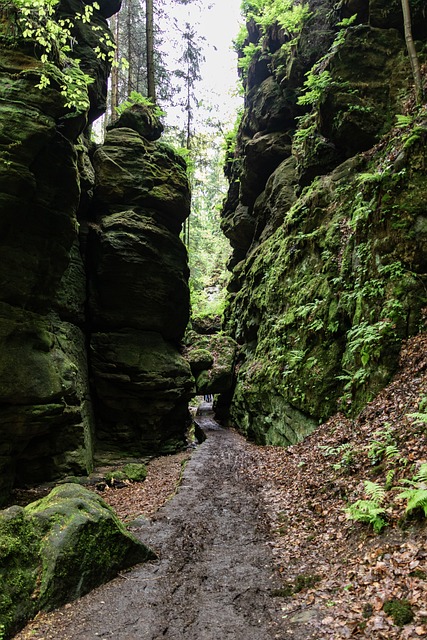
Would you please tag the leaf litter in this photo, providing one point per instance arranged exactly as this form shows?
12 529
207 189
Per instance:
306 488
337 575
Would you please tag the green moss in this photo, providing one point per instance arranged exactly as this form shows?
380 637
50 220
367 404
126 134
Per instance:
57 549
111 477
135 472
400 611
326 300
303 581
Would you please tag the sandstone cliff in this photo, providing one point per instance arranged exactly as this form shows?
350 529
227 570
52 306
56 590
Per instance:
93 283
326 215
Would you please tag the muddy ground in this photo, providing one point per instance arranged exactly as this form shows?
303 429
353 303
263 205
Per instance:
214 578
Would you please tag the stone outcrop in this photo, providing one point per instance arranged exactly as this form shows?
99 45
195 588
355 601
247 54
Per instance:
138 291
212 359
93 276
326 218
57 549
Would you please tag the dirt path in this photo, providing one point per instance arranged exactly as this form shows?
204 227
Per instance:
214 576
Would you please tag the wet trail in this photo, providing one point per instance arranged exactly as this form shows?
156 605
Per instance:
214 576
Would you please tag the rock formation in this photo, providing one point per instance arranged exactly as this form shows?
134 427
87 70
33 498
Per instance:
326 216
57 549
93 285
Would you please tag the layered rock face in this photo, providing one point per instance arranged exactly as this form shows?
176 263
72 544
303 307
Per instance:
116 290
326 215
139 295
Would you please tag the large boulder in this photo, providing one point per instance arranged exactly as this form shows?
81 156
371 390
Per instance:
57 549
142 119
45 410
214 374
132 171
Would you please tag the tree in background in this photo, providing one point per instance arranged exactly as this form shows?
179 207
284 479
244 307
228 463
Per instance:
415 64
149 35
189 74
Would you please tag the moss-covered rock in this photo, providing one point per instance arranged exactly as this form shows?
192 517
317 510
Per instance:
45 410
46 417
57 549
328 272
200 359
217 374
143 386
134 172
142 119
139 276
135 472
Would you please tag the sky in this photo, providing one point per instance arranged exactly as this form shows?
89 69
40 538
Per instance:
218 21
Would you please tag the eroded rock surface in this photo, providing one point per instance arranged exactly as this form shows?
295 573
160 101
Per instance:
326 216
93 274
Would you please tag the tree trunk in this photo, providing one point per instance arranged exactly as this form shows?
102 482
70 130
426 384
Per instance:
149 22
419 91
129 46
115 70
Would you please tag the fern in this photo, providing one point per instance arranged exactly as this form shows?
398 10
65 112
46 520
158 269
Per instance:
403 121
417 499
391 451
420 418
367 511
389 479
375 491
416 495
421 476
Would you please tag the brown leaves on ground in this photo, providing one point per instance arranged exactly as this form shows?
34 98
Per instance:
145 498
307 487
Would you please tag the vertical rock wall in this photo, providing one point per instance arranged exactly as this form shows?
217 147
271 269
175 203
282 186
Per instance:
138 289
326 216
138 304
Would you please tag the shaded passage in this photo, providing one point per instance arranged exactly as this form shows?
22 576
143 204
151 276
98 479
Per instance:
214 575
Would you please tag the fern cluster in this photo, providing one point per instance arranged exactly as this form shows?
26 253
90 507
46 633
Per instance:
416 495
371 510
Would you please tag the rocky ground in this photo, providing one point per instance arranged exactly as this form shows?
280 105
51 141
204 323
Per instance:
256 543
214 576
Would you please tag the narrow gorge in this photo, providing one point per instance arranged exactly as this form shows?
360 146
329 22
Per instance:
101 356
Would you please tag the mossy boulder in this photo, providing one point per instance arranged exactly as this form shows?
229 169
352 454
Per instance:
142 119
135 472
139 276
217 374
57 549
45 409
200 359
